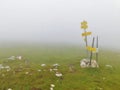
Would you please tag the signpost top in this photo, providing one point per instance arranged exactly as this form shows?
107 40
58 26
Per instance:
84 25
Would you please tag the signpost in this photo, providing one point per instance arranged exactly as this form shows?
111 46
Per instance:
89 49
84 26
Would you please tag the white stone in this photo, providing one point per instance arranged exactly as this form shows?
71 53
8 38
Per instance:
26 72
52 85
58 74
1 66
56 65
86 63
94 64
83 64
51 88
9 89
43 65
12 58
39 70
19 57
109 66
51 70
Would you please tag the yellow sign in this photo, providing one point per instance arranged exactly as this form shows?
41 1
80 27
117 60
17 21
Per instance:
84 25
91 49
86 33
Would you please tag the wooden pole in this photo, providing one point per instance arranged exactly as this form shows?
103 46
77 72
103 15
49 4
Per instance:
86 39
91 50
86 44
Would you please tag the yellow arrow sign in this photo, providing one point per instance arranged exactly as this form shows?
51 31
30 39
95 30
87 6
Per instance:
86 33
89 48
84 25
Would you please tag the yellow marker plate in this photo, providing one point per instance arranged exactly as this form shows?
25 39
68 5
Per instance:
91 49
86 33
84 25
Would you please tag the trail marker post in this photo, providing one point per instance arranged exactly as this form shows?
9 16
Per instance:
89 49
84 26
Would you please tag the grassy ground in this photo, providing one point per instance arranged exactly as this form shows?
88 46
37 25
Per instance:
28 74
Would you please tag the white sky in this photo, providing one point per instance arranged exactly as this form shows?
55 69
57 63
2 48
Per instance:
59 20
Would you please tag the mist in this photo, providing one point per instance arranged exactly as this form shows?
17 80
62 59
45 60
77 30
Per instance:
58 21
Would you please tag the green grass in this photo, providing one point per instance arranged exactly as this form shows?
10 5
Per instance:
102 78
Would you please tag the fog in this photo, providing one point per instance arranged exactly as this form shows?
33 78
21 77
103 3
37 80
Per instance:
58 21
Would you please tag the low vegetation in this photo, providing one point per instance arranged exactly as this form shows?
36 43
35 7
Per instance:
36 70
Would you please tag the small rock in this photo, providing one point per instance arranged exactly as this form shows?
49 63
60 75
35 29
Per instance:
110 66
52 85
39 70
58 74
9 89
43 65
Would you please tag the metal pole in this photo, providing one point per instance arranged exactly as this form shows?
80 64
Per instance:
91 50
97 50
